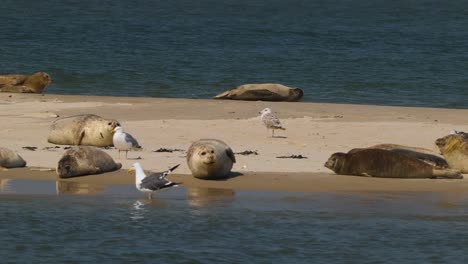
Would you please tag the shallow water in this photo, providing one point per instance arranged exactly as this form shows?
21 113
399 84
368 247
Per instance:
373 52
78 223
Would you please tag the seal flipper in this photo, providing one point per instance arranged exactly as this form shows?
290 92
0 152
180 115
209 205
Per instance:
230 154
80 138
446 174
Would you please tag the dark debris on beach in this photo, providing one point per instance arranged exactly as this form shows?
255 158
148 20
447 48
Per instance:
167 150
292 157
30 148
247 152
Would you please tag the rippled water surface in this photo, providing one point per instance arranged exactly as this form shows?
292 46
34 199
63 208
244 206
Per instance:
374 52
77 223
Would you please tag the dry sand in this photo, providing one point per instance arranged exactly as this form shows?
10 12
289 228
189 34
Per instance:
314 130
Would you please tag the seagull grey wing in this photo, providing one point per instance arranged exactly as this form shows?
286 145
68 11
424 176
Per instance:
230 154
154 182
271 120
132 140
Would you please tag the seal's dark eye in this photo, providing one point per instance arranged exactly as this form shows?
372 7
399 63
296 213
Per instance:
203 153
212 151
109 123
118 124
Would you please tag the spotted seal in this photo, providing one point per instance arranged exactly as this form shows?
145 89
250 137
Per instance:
385 164
85 160
263 92
10 159
16 83
454 148
426 155
84 129
210 159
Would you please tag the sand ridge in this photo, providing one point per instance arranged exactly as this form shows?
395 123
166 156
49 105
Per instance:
313 130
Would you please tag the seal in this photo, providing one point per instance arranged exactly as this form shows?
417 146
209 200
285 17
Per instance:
17 83
10 159
210 159
84 129
426 155
85 160
262 92
385 164
454 148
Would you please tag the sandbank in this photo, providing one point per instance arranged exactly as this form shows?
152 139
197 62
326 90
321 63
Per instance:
314 130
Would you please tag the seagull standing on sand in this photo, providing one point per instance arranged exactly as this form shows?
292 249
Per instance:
153 182
271 121
124 141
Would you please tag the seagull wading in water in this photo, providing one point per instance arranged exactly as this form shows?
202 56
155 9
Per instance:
124 141
271 121
153 182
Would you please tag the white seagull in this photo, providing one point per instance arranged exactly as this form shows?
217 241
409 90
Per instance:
270 121
124 141
153 182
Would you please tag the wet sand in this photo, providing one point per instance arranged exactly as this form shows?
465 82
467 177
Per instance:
314 130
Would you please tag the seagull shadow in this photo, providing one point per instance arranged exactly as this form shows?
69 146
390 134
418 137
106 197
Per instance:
279 137
137 158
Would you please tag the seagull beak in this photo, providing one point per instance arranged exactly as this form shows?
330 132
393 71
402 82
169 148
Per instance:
113 131
130 170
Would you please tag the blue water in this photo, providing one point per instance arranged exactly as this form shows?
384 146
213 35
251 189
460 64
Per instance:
397 52
43 222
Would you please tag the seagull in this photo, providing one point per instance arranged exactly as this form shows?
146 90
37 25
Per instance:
270 121
153 182
124 141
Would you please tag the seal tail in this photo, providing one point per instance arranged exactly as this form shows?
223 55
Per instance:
222 95
447 174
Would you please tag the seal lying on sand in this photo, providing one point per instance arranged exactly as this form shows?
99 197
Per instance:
385 164
35 83
454 148
423 154
85 129
85 160
210 159
263 92
9 159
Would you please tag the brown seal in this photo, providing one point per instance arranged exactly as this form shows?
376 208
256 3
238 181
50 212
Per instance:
16 83
84 129
426 155
385 164
454 148
9 159
85 160
210 159
262 92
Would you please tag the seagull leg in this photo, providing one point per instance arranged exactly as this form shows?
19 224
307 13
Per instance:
150 196
272 133
126 152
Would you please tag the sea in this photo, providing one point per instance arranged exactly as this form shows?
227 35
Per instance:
401 53
71 222
380 52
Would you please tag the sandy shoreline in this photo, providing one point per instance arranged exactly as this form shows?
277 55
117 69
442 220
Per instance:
314 130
